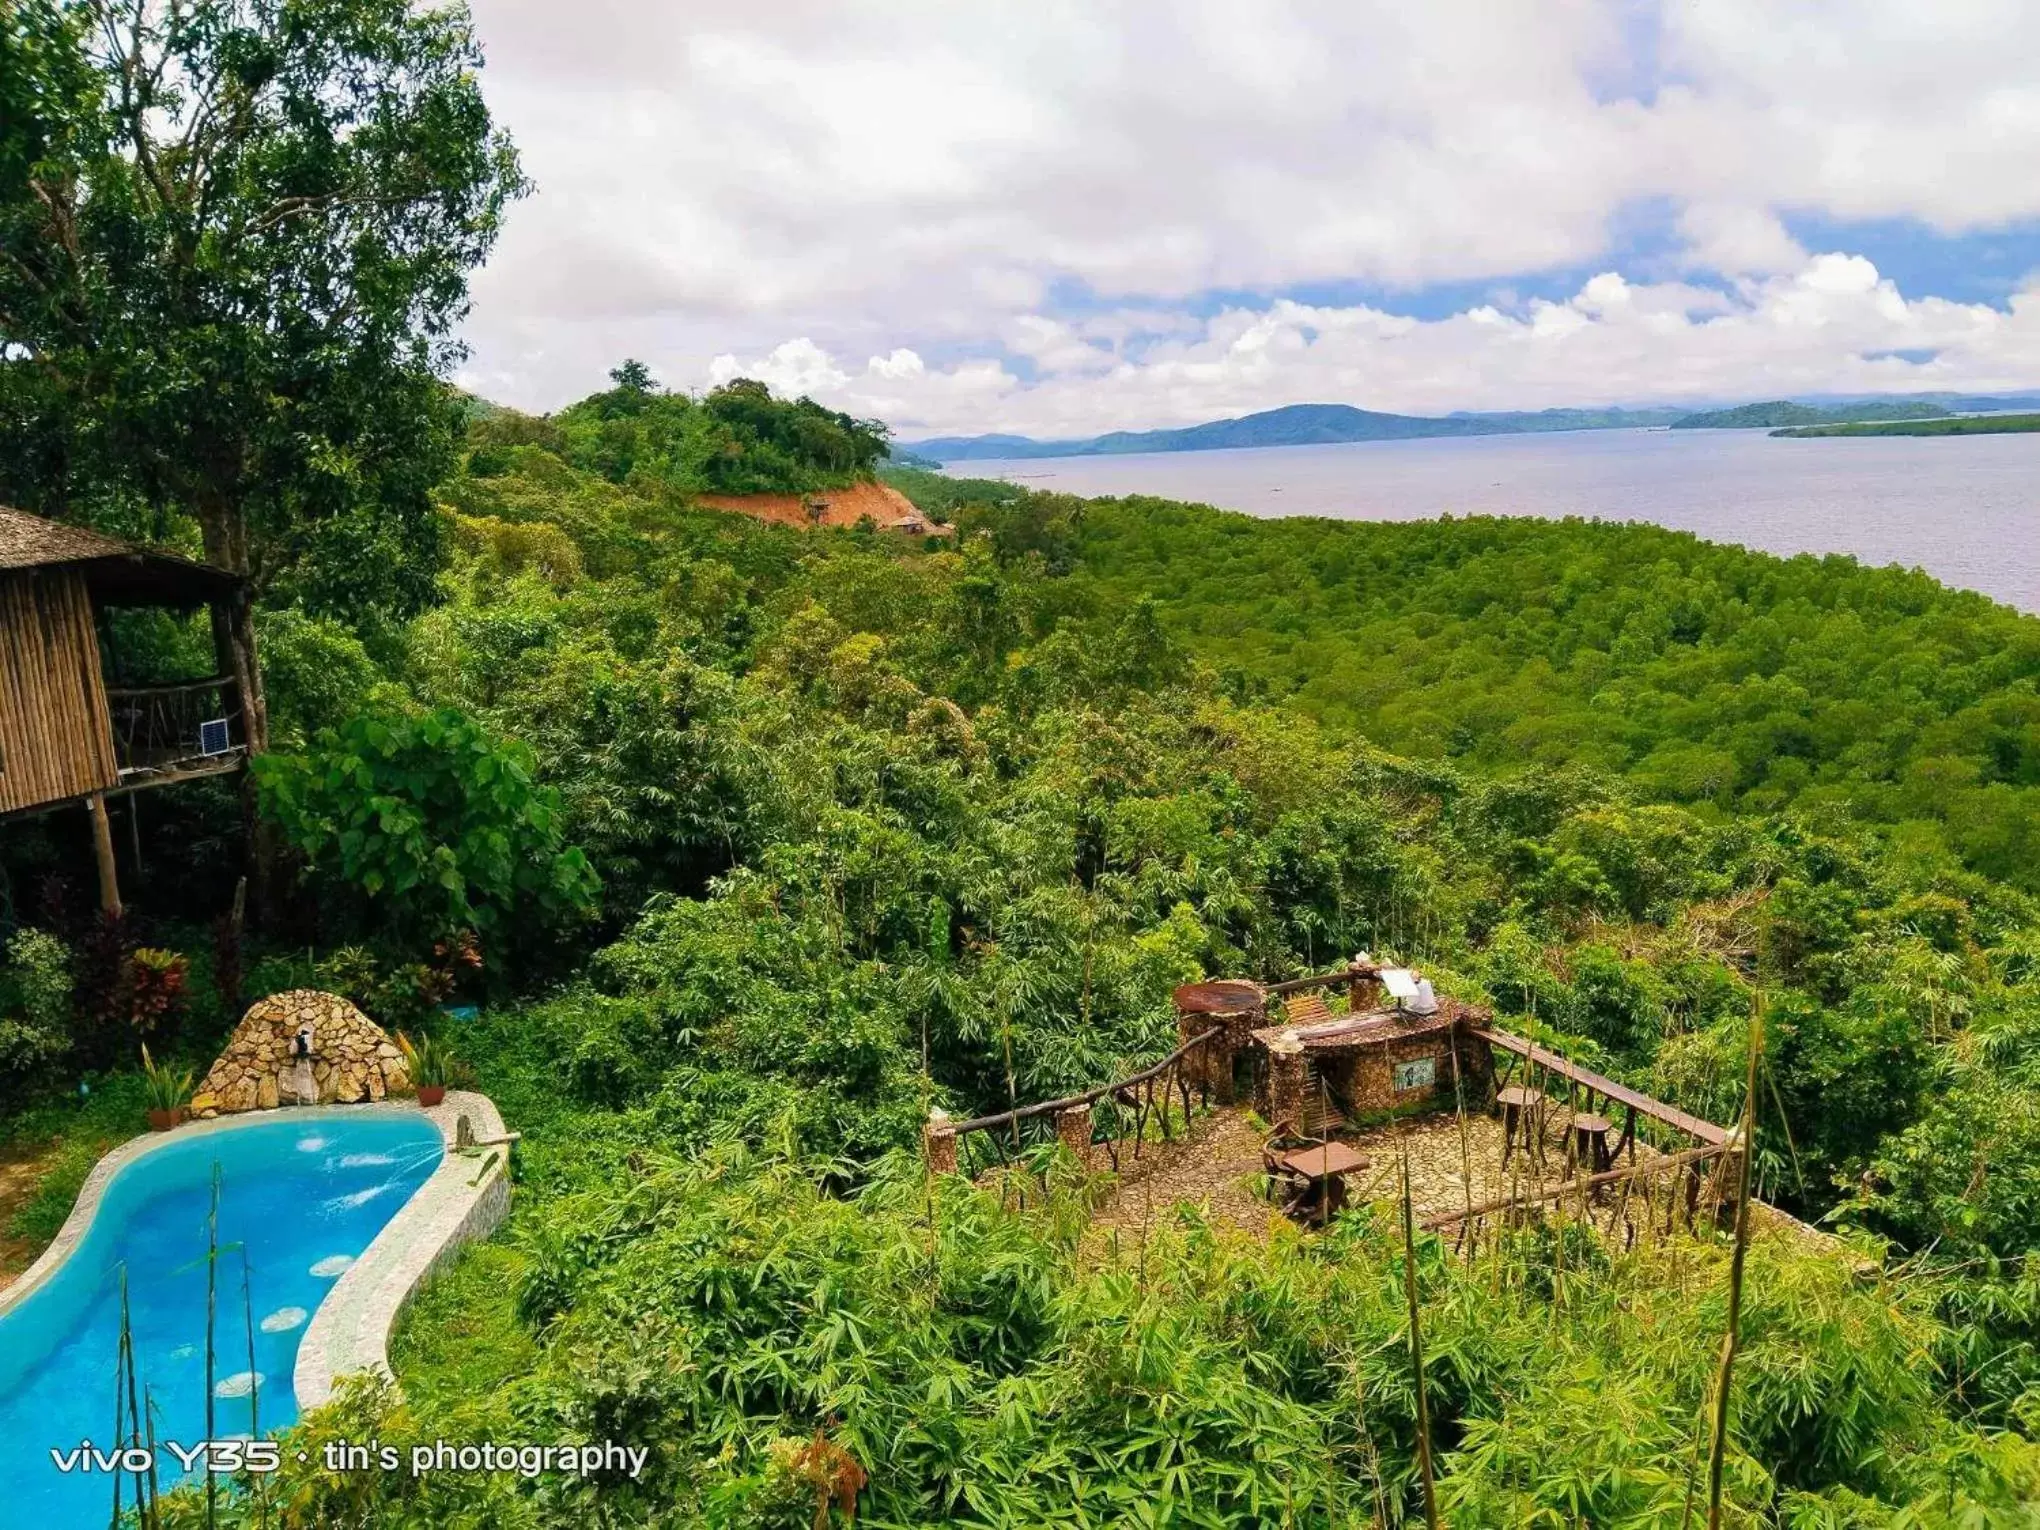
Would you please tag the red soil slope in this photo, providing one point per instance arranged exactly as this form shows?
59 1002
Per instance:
890 509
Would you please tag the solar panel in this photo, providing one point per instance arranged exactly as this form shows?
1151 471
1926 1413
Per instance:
1399 982
213 737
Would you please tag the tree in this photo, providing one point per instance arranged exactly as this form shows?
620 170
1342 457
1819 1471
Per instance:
436 822
633 377
235 237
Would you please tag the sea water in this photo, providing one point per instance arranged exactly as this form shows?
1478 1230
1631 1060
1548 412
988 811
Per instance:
1964 508
302 1194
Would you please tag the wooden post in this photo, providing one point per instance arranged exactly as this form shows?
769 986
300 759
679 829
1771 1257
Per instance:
938 1143
102 846
1073 1130
234 653
233 627
1285 1085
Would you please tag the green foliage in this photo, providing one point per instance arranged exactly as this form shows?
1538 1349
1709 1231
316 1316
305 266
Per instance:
36 982
736 439
237 238
35 1011
313 670
1702 673
722 1306
886 828
164 1085
431 1063
432 819
1966 425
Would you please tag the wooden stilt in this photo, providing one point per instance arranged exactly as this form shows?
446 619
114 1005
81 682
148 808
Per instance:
102 846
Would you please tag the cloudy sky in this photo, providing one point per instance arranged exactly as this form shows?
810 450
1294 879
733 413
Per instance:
1062 218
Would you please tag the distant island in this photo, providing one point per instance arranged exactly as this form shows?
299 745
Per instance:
1966 425
1293 425
1330 424
1782 412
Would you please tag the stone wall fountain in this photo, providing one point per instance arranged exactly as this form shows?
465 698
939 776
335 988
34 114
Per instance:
347 1058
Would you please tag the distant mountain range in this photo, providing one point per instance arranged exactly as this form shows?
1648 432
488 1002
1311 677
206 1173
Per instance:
1324 424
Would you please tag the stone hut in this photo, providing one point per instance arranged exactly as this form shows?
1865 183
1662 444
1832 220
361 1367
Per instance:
351 1058
1235 1008
1315 1070
1325 1071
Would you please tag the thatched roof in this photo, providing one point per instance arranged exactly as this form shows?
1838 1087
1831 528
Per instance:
118 572
29 541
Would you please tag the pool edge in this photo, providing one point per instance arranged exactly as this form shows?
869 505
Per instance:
86 1207
463 1200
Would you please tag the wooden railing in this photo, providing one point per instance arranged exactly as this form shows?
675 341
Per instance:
1691 1169
1121 1114
1550 1065
1333 979
158 729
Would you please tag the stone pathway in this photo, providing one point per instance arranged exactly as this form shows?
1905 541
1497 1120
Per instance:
1217 1166
1214 1168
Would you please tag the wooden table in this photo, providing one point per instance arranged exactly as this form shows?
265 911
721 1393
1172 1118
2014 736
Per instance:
1321 1169
1590 1141
1522 1117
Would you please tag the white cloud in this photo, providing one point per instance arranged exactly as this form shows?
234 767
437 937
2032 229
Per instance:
926 179
1833 324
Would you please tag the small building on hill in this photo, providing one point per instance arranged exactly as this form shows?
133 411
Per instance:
1316 1071
67 736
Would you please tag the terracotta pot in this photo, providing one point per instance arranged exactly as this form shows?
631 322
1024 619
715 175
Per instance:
431 1094
163 1120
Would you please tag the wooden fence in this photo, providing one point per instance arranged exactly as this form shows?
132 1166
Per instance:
1117 1115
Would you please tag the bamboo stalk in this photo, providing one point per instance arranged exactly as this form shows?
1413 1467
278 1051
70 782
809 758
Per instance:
254 1381
155 1515
212 1249
120 1348
1417 1346
1718 1446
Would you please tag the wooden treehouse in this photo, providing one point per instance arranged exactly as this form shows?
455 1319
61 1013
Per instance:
67 736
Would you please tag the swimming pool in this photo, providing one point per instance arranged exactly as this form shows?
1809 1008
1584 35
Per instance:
302 1194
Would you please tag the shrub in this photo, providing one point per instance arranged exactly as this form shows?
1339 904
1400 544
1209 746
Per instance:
156 988
164 1086
37 983
437 824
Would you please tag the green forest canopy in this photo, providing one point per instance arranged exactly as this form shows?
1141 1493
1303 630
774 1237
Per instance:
878 826
734 439
1701 674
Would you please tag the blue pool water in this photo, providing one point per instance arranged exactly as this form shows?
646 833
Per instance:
303 1193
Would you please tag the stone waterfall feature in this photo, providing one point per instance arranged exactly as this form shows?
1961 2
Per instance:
351 1058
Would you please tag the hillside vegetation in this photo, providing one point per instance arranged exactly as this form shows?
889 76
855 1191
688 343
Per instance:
1699 674
834 831
1968 425
720 853
734 439
1782 412
881 828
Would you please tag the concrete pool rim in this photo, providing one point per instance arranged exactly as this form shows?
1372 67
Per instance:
464 1198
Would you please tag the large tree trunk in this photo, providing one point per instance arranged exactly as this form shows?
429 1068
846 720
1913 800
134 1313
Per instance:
233 624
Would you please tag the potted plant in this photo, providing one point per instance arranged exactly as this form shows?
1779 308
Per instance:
431 1065
167 1089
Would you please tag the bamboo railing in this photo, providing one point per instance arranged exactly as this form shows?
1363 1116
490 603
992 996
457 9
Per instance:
1121 1112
